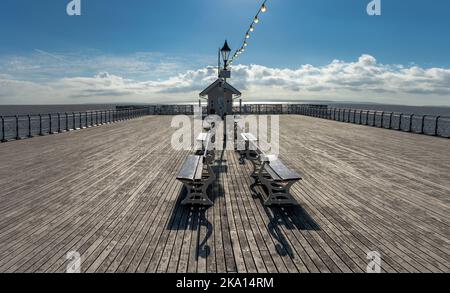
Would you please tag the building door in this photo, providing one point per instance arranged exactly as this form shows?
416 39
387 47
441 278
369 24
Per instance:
221 107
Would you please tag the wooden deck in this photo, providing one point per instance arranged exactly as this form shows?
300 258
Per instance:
110 193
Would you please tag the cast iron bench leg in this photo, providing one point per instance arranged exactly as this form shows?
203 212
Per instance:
197 191
279 192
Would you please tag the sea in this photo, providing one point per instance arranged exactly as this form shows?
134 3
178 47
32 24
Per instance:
11 110
417 110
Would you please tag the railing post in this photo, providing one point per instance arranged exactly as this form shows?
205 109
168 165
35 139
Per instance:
92 118
436 128
3 130
67 122
411 122
86 119
74 122
81 121
50 124
367 118
360 117
17 128
422 131
96 118
382 120
390 120
59 123
30 134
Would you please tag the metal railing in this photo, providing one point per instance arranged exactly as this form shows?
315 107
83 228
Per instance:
27 126
433 125
268 109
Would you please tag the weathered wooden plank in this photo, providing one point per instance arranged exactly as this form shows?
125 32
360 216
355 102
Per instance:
111 194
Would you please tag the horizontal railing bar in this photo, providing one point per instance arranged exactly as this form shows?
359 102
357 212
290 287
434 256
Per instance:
14 126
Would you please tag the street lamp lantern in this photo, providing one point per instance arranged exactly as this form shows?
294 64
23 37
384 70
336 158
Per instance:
225 51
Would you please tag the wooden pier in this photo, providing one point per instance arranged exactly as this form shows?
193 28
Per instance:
111 194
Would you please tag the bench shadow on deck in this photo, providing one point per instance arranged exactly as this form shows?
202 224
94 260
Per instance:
291 217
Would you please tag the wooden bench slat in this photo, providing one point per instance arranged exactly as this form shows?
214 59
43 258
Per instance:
189 169
248 137
199 172
280 172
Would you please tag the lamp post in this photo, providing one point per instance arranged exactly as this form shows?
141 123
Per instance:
225 53
224 74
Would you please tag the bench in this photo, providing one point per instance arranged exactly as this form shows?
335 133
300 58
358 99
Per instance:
271 173
248 139
203 138
197 176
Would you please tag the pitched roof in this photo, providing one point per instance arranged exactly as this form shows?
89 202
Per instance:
220 83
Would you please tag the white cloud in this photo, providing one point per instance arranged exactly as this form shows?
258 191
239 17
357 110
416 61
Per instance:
364 80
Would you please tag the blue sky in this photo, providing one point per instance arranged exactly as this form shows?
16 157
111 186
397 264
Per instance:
151 41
